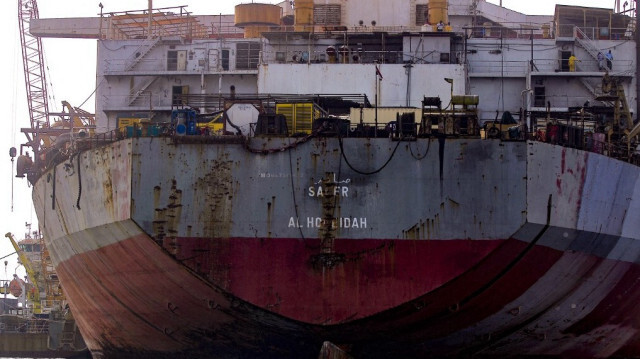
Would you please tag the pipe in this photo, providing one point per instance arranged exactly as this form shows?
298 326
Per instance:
149 25
408 72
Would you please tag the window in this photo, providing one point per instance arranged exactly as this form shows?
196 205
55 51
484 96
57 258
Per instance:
225 60
422 14
177 60
177 93
539 96
327 15
247 55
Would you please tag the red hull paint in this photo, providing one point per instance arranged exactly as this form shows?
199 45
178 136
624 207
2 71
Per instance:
374 275
129 295
135 296
620 310
474 295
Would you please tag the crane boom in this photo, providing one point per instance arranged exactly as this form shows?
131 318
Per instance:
34 74
31 272
46 132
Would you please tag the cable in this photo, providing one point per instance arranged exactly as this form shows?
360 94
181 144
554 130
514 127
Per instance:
364 172
313 134
8 255
11 174
14 117
79 182
422 156
53 195
91 94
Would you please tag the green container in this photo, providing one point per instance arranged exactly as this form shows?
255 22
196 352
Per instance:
153 131
129 131
132 131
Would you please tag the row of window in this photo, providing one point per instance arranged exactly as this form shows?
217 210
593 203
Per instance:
247 57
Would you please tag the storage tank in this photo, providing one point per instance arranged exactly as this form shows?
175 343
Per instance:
256 18
303 15
438 11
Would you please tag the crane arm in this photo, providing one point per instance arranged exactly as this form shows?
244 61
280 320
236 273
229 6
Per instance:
33 63
634 132
26 263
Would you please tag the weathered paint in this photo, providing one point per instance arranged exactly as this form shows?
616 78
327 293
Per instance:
228 189
368 277
477 247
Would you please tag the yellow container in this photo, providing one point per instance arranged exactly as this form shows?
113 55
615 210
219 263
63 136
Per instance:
257 14
124 122
303 14
438 11
251 32
257 18
299 116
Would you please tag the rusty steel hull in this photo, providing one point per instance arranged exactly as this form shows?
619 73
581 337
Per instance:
438 247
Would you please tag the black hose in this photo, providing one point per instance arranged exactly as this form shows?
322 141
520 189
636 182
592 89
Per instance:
79 183
363 172
53 195
420 157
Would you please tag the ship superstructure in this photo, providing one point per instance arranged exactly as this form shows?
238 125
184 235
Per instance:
489 50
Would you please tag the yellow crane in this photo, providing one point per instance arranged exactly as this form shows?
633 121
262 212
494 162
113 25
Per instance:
623 128
32 295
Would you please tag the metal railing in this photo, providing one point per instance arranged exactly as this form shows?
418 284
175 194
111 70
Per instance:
25 326
594 33
169 21
155 65
547 65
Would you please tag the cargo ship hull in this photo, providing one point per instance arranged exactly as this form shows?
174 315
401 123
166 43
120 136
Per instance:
267 248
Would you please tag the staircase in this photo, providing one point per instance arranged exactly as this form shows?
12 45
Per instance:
141 52
586 43
587 84
136 93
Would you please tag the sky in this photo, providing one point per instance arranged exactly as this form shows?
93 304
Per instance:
71 76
